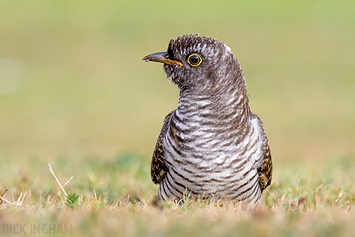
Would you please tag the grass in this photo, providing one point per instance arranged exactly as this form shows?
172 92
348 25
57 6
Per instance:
116 198
74 91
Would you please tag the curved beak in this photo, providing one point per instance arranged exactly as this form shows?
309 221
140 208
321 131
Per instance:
162 57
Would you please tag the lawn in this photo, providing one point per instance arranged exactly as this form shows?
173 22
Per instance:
74 93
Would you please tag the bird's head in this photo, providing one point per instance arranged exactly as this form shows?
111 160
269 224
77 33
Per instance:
198 62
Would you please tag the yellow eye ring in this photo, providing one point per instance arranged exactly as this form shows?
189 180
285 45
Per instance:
194 60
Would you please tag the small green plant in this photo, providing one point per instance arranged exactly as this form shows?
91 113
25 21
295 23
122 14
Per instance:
72 200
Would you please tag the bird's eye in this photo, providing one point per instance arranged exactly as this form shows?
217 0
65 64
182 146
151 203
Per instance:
194 60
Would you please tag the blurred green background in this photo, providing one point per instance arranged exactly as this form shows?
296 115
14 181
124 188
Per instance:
72 83
75 91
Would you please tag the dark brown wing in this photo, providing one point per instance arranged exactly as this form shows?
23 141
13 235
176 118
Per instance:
265 170
158 168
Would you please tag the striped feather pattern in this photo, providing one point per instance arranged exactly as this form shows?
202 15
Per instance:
212 145
212 157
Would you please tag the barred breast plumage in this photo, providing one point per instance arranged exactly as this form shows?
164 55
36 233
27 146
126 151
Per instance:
212 145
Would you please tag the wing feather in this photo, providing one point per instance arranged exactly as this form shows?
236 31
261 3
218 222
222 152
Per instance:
158 167
265 169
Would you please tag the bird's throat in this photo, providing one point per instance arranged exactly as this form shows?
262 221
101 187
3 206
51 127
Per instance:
222 107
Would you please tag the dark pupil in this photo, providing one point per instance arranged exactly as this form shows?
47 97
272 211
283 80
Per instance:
194 59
